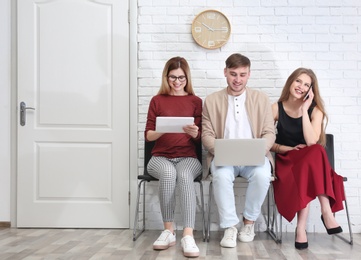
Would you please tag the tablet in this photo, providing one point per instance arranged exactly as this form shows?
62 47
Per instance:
170 124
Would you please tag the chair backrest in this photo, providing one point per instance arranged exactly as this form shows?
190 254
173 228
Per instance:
199 151
330 150
148 147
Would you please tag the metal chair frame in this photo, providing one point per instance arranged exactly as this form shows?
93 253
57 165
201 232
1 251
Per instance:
146 177
272 218
330 150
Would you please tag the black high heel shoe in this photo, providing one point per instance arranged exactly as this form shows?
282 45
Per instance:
300 245
332 231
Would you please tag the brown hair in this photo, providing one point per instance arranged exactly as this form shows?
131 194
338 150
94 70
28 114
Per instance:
237 60
316 99
173 64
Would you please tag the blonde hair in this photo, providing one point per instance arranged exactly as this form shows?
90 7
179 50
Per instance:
316 99
173 64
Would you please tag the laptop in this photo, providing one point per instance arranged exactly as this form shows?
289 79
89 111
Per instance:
239 152
170 124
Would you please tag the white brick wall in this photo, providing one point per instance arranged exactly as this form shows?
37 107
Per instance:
278 36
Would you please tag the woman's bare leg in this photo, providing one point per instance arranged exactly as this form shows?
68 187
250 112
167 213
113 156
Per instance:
326 212
302 215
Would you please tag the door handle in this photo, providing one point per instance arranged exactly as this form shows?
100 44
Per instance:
23 108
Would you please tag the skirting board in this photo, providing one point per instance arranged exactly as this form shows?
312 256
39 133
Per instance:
5 224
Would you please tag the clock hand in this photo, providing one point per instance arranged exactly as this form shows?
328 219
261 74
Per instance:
221 29
209 28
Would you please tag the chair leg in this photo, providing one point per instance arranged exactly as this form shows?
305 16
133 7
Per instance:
135 234
209 210
350 241
349 223
274 219
203 218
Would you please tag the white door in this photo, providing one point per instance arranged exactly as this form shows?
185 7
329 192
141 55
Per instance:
73 148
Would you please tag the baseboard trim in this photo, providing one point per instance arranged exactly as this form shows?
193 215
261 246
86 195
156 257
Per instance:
4 224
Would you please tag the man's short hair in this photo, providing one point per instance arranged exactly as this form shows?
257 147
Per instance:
237 60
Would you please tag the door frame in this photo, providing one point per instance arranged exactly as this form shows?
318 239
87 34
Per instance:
133 111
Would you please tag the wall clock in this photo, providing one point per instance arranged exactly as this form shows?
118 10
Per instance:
211 29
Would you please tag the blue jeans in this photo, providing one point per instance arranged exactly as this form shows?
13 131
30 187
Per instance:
258 177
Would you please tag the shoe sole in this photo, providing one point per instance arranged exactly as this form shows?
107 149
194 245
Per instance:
228 246
245 240
160 247
195 254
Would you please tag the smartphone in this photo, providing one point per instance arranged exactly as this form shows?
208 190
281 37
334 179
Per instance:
307 94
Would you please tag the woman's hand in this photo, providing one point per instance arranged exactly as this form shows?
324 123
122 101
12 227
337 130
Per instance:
307 103
153 135
192 130
299 146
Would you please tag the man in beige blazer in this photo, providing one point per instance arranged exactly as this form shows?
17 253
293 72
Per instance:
237 112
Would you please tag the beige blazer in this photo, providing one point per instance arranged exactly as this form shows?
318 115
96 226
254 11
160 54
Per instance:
214 115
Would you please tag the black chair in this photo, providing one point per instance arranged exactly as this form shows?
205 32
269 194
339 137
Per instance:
145 177
330 150
274 222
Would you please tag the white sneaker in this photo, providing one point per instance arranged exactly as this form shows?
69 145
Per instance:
230 237
189 247
165 240
247 233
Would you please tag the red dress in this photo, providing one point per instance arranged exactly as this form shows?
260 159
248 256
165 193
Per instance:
302 174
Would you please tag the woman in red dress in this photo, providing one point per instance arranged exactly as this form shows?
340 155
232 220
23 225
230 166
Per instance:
302 167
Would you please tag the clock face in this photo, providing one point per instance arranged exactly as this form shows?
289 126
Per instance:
211 29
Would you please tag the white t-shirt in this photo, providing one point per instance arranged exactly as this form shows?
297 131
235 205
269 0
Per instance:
237 124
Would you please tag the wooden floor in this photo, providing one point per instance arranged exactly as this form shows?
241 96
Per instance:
78 244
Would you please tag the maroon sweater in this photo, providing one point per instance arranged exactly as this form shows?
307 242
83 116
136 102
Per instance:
173 145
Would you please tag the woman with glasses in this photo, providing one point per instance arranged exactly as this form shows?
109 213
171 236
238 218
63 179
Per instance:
174 160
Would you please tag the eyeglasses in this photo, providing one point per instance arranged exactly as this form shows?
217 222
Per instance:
180 78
